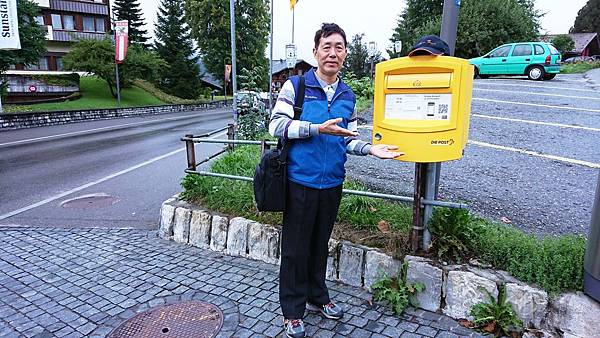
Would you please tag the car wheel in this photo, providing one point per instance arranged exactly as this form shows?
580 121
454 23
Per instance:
535 73
476 73
549 76
484 76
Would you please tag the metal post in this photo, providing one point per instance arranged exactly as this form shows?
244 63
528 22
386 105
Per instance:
191 152
1 110
230 135
233 57
433 171
118 86
269 88
420 170
293 18
591 265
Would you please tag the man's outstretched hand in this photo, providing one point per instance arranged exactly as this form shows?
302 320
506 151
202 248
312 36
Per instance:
385 151
330 127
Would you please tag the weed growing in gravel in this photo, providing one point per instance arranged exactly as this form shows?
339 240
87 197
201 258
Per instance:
578 67
453 233
397 292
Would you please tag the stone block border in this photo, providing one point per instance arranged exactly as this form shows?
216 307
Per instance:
451 290
30 120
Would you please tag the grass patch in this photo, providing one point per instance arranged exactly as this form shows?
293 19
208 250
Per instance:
95 95
578 67
554 263
171 99
363 103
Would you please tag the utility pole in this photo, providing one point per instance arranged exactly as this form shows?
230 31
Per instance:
432 171
233 58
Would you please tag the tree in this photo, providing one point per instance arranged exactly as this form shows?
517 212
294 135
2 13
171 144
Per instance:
209 23
98 57
358 59
130 10
588 18
482 24
32 35
174 45
563 43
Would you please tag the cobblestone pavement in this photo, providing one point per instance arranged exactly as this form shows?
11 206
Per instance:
85 282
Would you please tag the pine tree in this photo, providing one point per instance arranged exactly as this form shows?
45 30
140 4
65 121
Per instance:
174 45
588 18
130 10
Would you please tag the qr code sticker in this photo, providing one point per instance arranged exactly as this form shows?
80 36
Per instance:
443 109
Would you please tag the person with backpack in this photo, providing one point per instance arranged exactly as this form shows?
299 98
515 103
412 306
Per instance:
321 135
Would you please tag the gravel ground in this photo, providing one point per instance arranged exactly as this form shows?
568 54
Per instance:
537 194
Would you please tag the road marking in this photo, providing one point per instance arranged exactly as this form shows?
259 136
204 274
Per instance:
533 86
542 94
103 179
97 129
523 151
537 122
537 105
538 154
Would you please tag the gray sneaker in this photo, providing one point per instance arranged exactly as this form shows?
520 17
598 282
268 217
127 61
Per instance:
294 328
331 310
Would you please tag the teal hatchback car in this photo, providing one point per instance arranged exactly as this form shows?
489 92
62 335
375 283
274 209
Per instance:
537 60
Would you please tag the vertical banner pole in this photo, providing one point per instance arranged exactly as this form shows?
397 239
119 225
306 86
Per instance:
269 88
233 58
118 86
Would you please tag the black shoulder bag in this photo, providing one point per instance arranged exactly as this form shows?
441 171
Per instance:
270 177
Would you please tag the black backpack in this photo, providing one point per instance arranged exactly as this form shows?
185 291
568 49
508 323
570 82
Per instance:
270 177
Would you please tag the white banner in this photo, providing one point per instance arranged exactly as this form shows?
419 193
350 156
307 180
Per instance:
9 32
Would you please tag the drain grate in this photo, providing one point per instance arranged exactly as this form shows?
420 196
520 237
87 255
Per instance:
182 320
92 201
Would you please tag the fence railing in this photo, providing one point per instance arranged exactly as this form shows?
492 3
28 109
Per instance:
192 166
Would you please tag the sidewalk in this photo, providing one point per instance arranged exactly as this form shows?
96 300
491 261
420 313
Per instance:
594 75
86 282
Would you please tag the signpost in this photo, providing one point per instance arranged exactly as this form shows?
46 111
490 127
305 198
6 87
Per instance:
121 42
9 39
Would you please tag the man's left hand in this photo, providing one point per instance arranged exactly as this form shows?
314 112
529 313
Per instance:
385 151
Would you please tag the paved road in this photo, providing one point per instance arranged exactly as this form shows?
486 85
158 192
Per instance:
533 156
86 282
131 165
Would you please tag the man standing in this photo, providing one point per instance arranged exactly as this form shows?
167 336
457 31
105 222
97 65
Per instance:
322 136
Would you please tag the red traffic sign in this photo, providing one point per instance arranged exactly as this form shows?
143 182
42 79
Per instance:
32 89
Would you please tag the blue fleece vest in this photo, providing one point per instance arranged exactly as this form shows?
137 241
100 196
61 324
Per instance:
318 161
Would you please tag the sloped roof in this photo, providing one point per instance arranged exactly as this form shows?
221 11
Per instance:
279 65
582 40
208 77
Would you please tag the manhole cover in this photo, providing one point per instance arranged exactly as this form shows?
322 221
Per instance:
187 319
90 201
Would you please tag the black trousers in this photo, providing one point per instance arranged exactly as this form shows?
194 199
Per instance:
307 225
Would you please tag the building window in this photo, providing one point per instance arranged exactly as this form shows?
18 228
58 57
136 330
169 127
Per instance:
88 24
40 20
100 25
56 21
59 65
42 64
69 22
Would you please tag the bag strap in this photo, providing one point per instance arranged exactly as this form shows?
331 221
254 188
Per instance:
298 102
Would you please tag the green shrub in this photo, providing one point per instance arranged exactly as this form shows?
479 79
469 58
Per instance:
496 317
397 292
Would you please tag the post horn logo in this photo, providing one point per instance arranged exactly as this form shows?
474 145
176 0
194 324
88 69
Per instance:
417 83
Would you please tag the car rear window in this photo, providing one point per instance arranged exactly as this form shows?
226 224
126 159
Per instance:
553 50
522 50
539 50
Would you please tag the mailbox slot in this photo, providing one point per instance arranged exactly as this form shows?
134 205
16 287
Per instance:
418 81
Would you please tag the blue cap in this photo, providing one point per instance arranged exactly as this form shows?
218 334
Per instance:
430 45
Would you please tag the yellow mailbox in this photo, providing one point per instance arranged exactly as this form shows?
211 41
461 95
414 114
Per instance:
422 105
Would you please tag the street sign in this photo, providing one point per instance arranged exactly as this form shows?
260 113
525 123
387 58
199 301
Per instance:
9 39
290 55
398 46
32 89
372 48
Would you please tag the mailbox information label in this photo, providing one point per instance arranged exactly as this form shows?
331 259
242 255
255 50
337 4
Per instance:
418 106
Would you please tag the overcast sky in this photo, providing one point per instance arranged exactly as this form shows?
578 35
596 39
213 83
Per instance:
375 18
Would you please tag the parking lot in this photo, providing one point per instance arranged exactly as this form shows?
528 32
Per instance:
532 159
